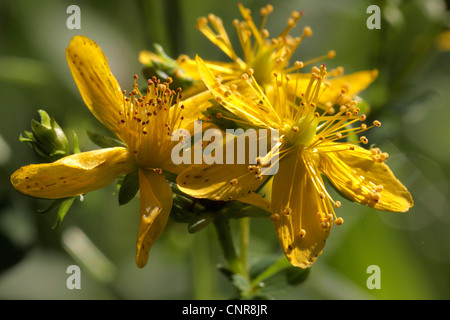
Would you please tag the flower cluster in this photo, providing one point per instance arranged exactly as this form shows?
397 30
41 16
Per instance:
316 113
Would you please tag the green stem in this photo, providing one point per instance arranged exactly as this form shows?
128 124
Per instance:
244 241
204 285
234 264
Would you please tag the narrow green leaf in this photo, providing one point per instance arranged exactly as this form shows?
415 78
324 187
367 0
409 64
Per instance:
76 146
274 275
53 205
63 209
104 141
45 118
200 221
129 188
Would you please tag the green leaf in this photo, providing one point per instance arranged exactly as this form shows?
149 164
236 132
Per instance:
29 137
46 120
200 221
104 141
53 205
129 187
76 146
63 209
236 279
274 275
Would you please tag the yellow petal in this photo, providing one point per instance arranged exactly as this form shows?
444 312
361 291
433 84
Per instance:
256 200
73 175
220 182
361 179
247 103
98 87
352 83
295 212
194 108
156 203
224 69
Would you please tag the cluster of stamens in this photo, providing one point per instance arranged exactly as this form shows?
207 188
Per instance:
256 169
149 120
261 53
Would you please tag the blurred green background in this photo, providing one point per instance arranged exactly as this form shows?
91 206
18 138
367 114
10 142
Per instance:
411 98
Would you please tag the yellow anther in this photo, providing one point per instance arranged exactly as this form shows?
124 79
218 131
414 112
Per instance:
331 54
375 151
295 14
234 182
219 115
307 31
291 22
302 233
337 204
339 221
376 196
298 64
325 225
364 140
286 211
377 123
274 217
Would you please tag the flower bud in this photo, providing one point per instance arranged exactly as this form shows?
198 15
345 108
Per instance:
47 138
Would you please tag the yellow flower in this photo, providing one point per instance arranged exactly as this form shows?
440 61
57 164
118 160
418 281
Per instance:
144 122
312 142
265 55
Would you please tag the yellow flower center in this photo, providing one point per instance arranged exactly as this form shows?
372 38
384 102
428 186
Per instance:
149 121
301 133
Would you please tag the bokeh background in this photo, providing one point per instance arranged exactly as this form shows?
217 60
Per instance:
411 98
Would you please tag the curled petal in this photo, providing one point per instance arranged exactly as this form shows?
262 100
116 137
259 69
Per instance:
156 203
73 175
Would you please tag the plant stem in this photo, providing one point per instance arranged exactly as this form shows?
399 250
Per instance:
244 241
226 241
204 285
